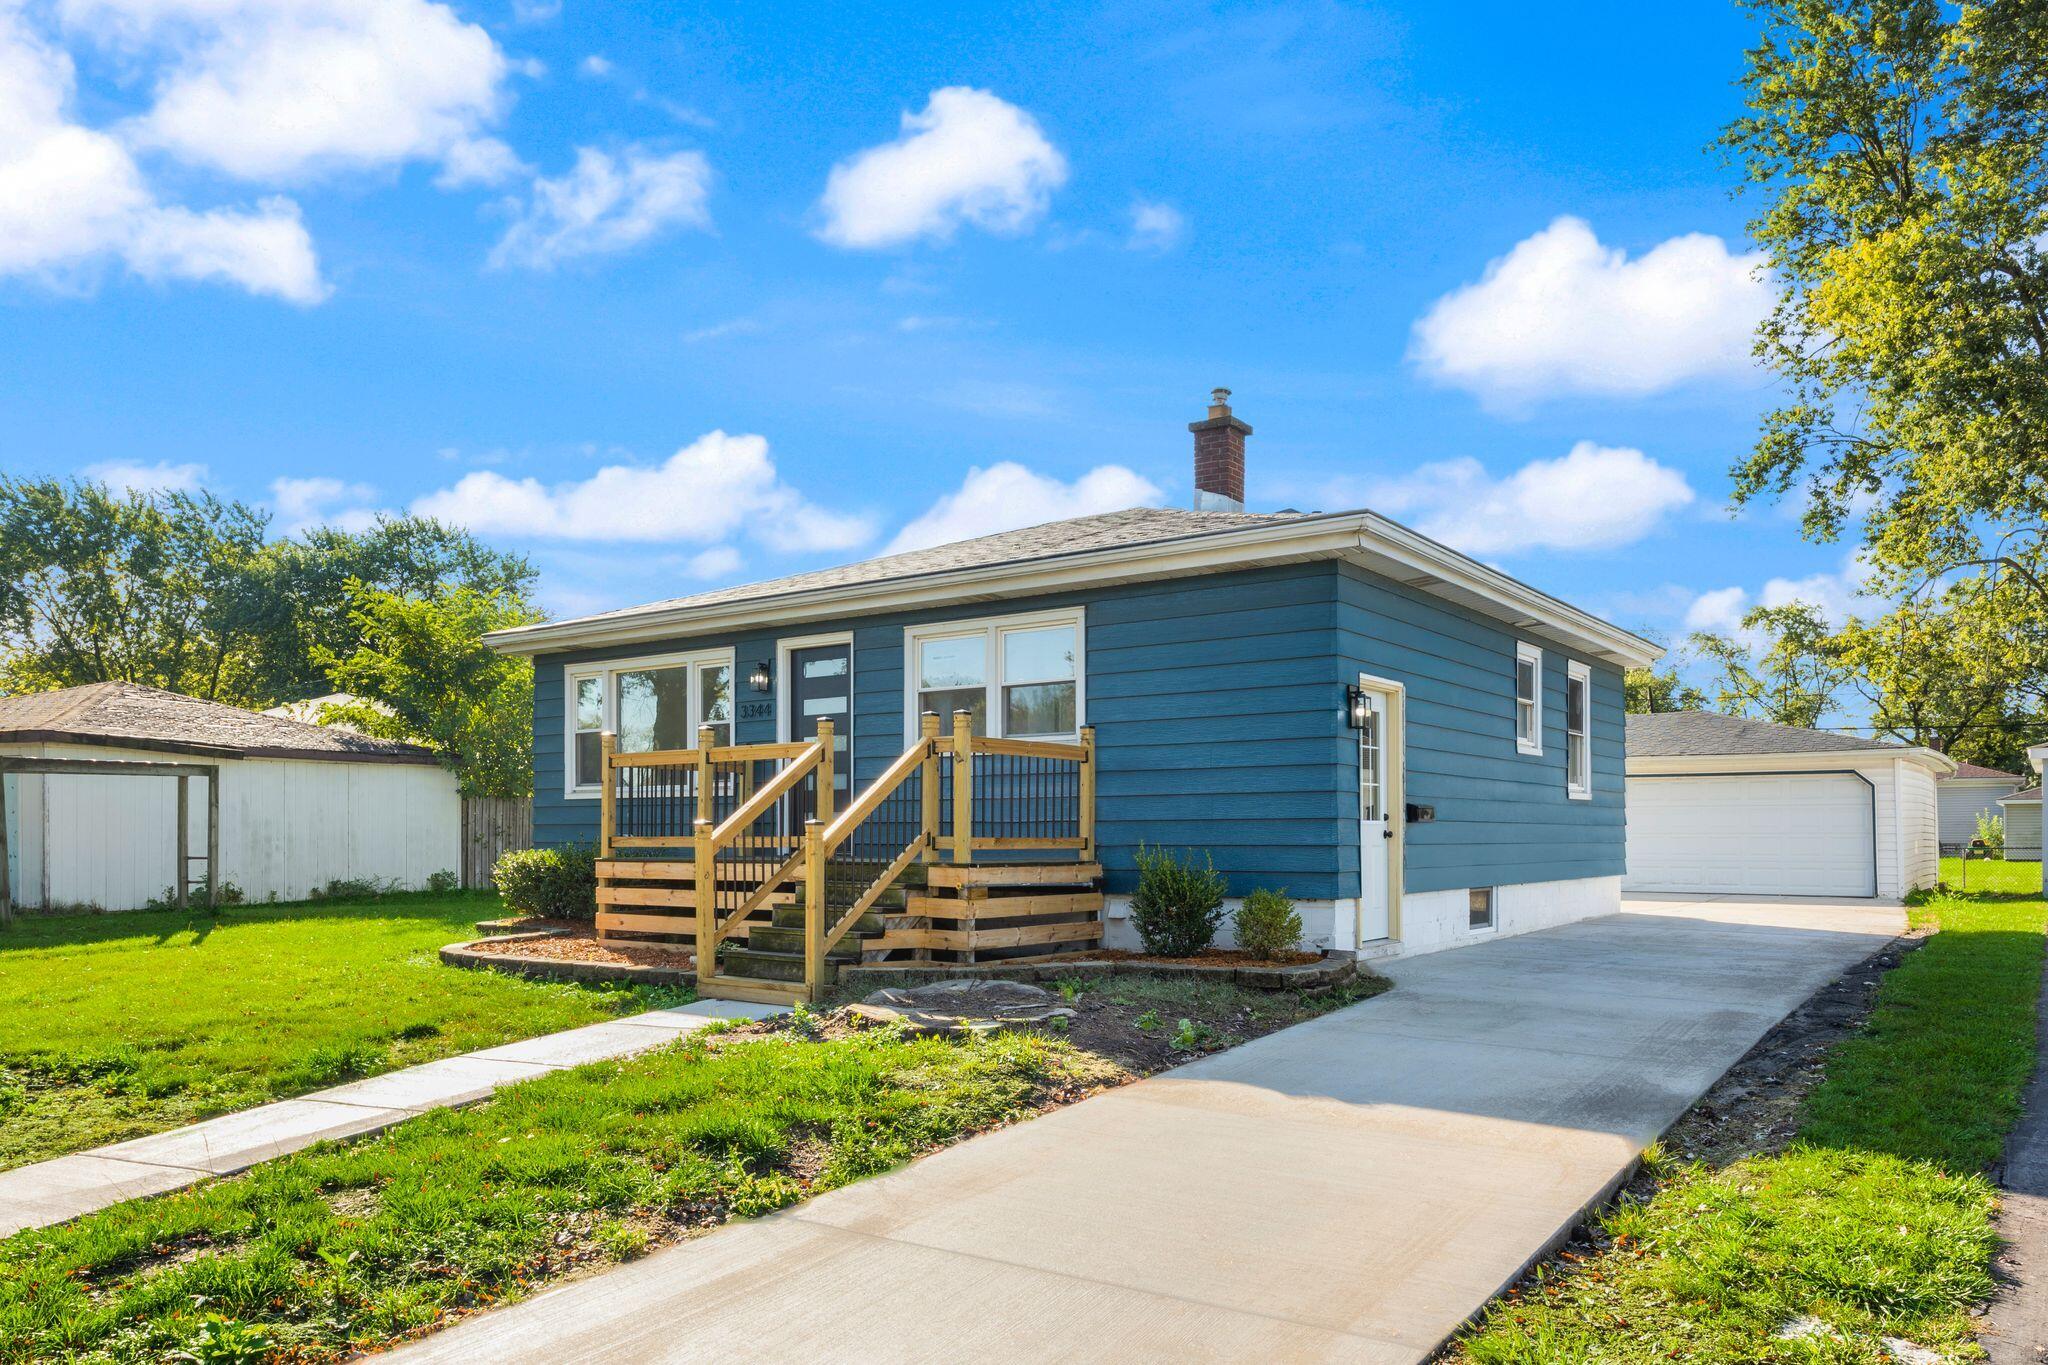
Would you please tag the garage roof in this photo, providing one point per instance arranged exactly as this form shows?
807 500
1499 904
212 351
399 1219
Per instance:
1693 734
131 716
1977 771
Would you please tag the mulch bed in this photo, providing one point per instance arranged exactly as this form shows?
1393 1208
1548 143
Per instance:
580 944
1208 957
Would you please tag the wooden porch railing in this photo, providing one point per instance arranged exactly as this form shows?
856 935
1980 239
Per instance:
759 817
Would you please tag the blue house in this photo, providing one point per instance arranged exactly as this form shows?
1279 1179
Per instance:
1418 748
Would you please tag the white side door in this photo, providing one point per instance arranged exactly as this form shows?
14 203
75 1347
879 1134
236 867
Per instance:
1375 827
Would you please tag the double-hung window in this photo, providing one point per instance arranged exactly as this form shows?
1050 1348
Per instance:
1019 677
1528 699
1578 743
648 703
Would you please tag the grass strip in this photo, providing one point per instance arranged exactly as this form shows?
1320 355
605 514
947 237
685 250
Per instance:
1877 1222
114 1026
345 1247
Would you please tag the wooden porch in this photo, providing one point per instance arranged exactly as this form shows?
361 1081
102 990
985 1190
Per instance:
738 851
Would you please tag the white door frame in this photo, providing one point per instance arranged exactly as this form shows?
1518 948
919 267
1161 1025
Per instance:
1394 758
785 723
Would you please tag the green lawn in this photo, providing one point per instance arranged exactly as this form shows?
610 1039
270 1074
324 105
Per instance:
1877 1221
343 1247
112 1026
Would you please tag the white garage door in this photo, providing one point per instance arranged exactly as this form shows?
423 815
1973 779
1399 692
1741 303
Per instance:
1802 835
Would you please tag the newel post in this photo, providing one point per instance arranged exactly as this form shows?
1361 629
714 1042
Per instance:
608 788
963 787
704 891
826 781
1087 793
814 909
706 806
928 784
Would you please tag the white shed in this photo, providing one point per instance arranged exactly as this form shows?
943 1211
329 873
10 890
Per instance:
1722 805
300 805
2022 825
1967 793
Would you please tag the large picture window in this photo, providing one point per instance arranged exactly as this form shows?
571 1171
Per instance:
649 704
1020 677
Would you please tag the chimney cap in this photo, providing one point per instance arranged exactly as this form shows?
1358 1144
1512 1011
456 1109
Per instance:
1219 396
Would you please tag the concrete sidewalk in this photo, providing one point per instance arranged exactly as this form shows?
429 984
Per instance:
52 1191
1353 1188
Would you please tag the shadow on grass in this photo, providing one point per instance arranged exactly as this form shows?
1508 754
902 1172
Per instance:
457 909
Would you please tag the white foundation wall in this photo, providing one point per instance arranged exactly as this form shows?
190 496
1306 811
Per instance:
1324 924
287 826
1430 920
1434 920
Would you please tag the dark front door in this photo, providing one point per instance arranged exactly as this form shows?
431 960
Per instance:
821 688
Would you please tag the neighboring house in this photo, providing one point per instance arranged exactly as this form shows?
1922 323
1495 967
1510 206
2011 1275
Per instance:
1719 804
2022 825
1967 793
300 805
1211 651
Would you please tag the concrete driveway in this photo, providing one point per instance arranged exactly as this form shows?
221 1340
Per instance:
1350 1189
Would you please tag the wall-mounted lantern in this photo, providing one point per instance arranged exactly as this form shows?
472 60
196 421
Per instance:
759 679
1356 706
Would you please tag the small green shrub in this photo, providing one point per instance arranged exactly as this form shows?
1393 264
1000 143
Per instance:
1177 906
1991 831
445 881
557 883
1268 925
1194 1037
167 899
356 889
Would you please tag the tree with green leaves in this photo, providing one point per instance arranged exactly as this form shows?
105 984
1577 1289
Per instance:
1646 691
1927 677
421 672
1900 151
184 591
1787 671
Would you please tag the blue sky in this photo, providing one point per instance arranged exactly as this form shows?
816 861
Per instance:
930 271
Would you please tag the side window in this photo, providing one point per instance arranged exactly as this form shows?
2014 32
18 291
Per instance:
1528 699
1578 744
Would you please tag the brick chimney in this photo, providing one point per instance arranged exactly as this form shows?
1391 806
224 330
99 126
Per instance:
1219 457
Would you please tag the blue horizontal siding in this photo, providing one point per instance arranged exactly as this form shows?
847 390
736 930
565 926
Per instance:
1215 701
1502 816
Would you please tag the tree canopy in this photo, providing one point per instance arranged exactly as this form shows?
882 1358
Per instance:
187 592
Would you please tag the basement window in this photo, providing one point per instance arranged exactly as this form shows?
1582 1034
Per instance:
1528 698
1479 908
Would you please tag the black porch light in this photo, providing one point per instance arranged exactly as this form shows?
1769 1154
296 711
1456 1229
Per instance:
759 679
1355 707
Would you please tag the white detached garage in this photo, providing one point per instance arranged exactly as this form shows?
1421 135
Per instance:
1722 805
300 805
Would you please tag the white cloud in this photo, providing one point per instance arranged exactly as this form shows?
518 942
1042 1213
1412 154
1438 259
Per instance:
319 501
596 66
1593 497
969 157
716 487
1007 495
269 91
716 562
606 204
72 197
731 327
1156 227
535 11
1563 314
480 161
131 476
1838 595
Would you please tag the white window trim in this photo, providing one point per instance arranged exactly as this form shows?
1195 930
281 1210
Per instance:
1532 654
993 628
607 670
1576 672
1492 924
786 718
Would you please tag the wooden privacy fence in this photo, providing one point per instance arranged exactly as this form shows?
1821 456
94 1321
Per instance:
491 827
761 832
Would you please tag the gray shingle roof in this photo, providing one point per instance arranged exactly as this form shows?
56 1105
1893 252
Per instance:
1107 530
2029 794
1694 734
1978 770
128 714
